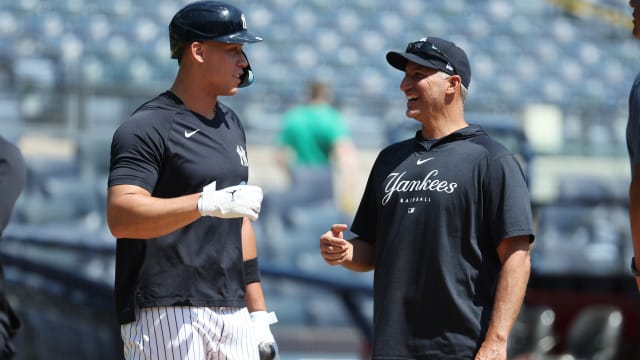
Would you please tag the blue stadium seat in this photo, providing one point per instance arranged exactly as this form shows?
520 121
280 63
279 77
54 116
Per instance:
533 334
10 117
594 333
575 237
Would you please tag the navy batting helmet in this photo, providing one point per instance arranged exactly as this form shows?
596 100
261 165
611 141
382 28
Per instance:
210 21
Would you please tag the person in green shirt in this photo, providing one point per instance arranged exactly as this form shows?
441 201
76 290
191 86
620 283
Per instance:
314 146
311 131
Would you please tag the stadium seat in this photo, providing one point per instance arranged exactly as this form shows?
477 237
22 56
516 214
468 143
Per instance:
594 334
582 238
533 333
10 117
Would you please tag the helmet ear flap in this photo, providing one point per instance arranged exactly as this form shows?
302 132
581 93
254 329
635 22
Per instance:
247 74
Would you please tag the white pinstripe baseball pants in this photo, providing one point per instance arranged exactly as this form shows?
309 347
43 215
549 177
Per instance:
190 333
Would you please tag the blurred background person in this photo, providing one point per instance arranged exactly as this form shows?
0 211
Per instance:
314 147
12 178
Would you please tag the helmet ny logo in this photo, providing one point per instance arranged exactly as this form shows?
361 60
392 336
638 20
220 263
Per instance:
244 22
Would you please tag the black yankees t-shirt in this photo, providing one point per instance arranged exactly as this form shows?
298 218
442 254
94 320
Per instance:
171 151
436 212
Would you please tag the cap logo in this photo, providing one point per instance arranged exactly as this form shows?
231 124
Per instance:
244 22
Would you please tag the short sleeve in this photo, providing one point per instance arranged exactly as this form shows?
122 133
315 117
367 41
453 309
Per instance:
136 155
508 200
366 217
337 127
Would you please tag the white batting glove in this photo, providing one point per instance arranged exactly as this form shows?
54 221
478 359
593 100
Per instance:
267 345
230 202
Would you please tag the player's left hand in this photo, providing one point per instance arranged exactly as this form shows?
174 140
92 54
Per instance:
267 345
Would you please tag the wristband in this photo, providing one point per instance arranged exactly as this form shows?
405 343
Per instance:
251 271
634 270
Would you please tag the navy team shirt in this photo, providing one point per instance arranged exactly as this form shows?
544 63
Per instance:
633 125
171 151
436 212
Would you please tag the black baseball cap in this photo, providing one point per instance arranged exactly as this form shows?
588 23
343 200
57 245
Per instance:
435 53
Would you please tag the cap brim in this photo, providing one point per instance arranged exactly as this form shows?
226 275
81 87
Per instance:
399 60
241 37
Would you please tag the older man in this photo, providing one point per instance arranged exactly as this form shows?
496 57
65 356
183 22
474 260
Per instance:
445 221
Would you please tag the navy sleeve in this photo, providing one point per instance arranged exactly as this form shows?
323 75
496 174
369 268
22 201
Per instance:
137 151
365 220
508 200
633 125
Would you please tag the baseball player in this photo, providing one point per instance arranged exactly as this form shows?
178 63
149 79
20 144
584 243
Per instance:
187 282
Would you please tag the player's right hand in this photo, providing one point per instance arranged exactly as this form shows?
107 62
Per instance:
334 248
230 202
267 346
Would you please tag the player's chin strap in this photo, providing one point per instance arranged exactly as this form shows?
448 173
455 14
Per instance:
247 74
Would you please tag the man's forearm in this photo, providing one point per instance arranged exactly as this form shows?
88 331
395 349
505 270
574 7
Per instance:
510 292
132 214
254 297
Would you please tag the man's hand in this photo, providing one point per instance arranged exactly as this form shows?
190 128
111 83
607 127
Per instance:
492 350
267 345
334 248
230 202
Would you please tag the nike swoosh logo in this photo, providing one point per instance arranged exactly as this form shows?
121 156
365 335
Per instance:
422 161
189 134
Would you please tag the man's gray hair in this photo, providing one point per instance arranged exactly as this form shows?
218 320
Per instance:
463 90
